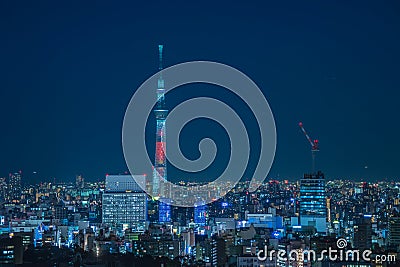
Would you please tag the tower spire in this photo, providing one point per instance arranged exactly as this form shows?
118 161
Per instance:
160 87
160 56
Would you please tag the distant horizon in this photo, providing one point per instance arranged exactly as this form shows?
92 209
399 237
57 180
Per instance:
71 179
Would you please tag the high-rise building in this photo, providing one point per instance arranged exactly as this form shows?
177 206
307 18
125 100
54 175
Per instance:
14 186
313 201
11 251
60 211
79 181
394 231
124 203
164 210
200 213
160 163
363 234
3 189
212 251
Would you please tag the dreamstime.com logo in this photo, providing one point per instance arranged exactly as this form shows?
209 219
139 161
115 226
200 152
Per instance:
140 108
330 254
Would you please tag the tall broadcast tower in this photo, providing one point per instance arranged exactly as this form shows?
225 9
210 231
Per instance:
160 164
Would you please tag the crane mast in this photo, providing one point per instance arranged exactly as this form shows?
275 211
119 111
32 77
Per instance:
313 143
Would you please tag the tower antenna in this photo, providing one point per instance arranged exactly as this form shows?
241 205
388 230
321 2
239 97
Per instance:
160 56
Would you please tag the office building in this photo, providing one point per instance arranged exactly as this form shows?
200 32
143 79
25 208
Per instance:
313 201
124 203
200 214
79 181
363 236
11 251
14 186
394 231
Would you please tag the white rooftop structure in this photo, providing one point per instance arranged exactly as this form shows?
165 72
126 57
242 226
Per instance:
124 183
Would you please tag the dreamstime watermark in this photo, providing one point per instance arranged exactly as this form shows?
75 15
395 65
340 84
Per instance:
140 108
330 254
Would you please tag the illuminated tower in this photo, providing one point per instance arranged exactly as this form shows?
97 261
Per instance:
160 163
160 166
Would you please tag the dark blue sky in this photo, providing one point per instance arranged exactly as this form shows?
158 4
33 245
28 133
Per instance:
68 70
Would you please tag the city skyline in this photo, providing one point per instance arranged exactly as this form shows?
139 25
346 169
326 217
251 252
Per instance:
114 221
66 84
204 134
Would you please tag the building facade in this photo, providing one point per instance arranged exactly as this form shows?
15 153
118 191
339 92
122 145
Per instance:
313 201
394 231
14 186
124 203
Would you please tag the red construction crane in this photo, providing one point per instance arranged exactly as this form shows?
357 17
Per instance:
314 145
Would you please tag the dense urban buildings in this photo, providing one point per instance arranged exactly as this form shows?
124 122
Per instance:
109 222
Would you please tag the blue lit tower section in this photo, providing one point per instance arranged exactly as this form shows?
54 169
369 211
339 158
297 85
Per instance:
200 214
160 164
164 211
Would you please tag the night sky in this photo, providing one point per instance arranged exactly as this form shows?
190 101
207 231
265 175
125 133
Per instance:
68 71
